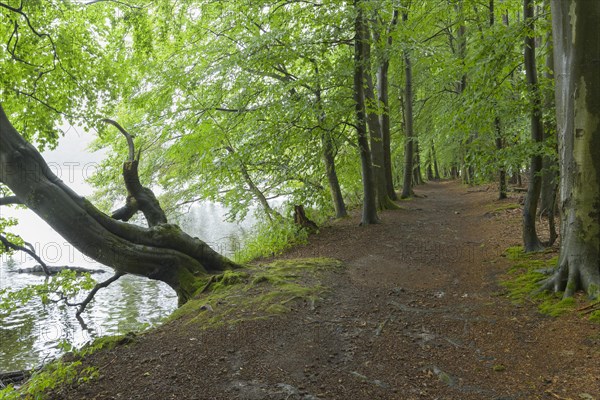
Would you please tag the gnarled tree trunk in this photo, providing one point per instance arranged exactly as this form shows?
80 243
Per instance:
162 252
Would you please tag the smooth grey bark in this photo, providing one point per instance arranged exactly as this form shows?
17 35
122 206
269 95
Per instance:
369 211
549 162
408 122
531 241
577 62
162 252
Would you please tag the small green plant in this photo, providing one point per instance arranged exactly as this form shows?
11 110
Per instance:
61 372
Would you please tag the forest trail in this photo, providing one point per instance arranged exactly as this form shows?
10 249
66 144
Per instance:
416 314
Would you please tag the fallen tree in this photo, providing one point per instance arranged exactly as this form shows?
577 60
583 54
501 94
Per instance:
161 251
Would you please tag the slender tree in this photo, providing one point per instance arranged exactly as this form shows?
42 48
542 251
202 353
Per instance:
408 121
369 214
531 240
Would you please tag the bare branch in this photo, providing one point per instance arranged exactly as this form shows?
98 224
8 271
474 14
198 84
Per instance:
93 292
122 3
127 136
10 245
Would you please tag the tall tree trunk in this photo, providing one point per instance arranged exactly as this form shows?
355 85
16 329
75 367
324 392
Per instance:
377 150
531 241
383 92
418 177
162 252
502 187
550 162
498 129
577 62
369 214
436 169
408 116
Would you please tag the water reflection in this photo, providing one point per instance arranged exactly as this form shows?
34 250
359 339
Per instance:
32 334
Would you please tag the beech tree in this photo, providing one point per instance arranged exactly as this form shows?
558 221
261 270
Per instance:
577 62
162 251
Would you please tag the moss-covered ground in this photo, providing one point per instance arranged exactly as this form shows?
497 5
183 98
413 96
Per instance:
523 279
257 291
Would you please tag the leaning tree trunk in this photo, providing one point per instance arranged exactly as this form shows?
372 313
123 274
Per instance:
531 241
577 62
162 252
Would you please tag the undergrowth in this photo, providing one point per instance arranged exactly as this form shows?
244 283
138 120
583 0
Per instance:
523 284
61 372
257 292
268 239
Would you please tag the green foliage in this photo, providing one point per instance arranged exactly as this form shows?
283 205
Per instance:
268 239
62 373
65 285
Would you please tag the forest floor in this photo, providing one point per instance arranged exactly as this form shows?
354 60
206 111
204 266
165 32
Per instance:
416 313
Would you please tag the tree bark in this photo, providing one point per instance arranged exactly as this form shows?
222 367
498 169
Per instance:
369 214
162 252
531 241
577 62
332 178
549 162
328 156
498 129
502 187
408 116
383 92
436 169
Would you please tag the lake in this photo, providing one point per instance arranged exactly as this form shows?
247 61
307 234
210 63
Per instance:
31 335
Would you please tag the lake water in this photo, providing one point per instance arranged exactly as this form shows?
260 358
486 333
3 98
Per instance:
31 335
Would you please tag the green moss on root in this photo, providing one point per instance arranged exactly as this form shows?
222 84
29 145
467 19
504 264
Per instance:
257 292
524 278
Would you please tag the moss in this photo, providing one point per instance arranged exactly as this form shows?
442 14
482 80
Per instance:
258 291
515 253
595 316
504 207
556 308
525 276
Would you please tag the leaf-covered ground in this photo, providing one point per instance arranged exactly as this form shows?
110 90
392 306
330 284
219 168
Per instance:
416 312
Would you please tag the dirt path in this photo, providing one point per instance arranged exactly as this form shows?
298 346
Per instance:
415 315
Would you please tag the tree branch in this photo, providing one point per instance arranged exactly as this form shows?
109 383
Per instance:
93 292
10 245
128 137
6 200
